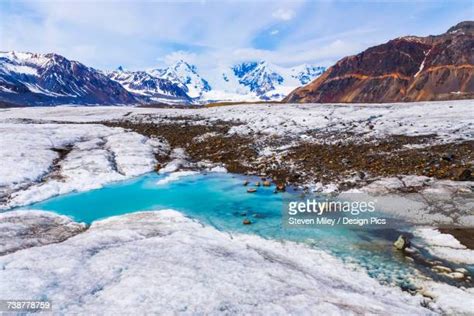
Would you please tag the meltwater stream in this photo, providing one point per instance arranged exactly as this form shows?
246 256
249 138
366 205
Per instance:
220 200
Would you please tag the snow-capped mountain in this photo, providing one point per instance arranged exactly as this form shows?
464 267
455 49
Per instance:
150 88
186 76
306 73
48 79
258 77
260 81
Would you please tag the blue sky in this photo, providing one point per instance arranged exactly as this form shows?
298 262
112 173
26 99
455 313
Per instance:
144 34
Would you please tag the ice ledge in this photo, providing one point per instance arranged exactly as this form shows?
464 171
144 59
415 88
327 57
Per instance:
158 262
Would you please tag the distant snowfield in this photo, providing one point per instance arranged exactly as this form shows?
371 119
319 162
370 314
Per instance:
143 261
448 119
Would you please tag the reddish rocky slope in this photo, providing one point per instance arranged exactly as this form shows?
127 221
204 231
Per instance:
402 70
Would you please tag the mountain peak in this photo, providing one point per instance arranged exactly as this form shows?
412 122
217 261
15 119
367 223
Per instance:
465 26
186 76
148 87
184 64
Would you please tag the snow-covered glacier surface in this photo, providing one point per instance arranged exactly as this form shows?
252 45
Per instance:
155 262
448 120
161 261
33 170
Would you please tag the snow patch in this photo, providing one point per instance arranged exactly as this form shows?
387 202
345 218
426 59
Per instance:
445 246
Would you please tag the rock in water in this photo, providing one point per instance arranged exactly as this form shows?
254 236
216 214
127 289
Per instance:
402 242
281 188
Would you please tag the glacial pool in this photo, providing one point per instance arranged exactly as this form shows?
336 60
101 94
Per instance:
221 200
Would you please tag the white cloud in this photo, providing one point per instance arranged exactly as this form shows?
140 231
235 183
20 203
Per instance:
172 58
284 14
210 34
325 55
105 35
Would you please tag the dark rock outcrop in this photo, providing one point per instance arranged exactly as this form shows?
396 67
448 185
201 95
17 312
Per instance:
402 70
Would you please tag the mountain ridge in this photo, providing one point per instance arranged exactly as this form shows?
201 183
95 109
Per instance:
51 79
405 69
186 76
149 88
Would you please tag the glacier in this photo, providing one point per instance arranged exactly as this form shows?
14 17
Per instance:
156 262
117 256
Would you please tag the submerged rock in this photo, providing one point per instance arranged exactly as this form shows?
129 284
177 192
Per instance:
410 250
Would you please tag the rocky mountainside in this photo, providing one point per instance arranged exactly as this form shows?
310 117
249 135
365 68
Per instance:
149 88
50 79
405 69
